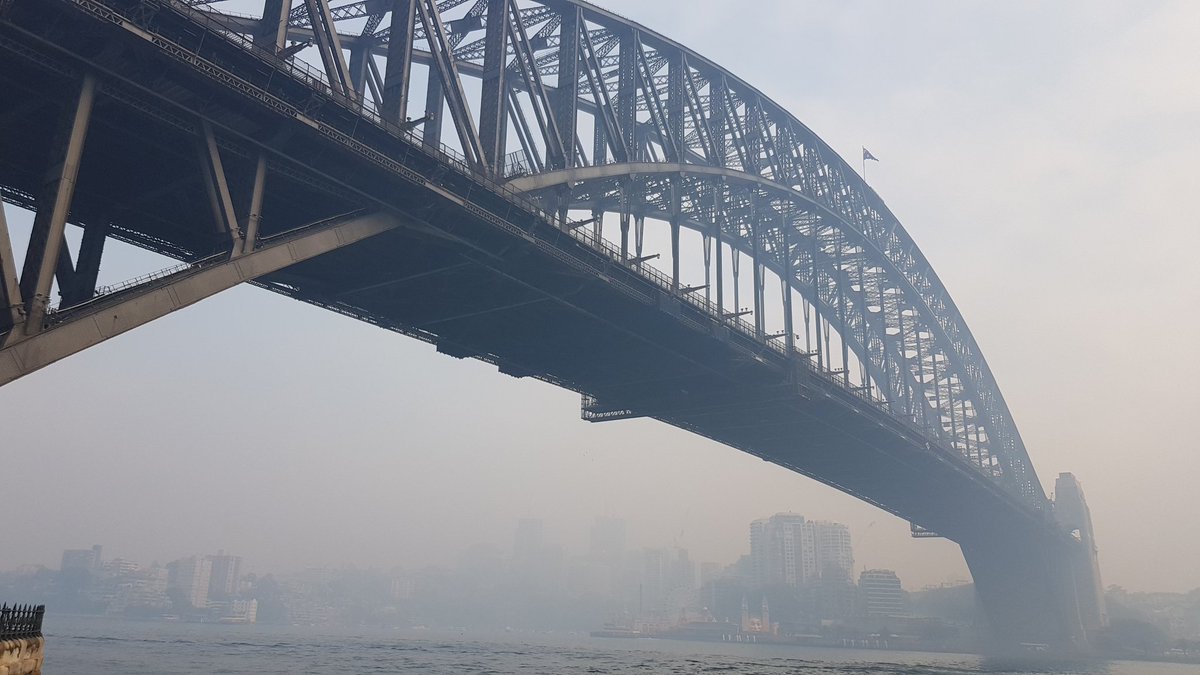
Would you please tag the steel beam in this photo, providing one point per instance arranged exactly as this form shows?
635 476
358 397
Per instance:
10 286
105 318
756 275
398 69
49 224
493 120
452 89
566 97
360 57
82 285
254 213
676 102
524 134
272 29
676 209
539 97
790 336
718 225
330 48
658 114
627 86
608 134
224 216
696 111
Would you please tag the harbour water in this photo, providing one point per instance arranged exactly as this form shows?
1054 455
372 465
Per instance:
103 646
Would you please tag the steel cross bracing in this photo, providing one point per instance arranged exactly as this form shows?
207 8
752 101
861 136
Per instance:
610 117
778 194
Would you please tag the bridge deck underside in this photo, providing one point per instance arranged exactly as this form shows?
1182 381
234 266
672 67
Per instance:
537 303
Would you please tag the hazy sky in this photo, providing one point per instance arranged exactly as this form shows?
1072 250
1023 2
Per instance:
1041 154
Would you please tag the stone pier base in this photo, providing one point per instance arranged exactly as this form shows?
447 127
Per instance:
21 656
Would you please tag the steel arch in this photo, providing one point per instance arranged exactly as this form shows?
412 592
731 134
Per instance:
668 130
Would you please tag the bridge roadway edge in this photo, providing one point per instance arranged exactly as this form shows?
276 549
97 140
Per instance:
692 375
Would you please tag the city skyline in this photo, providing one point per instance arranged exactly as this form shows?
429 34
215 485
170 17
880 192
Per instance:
605 540
652 589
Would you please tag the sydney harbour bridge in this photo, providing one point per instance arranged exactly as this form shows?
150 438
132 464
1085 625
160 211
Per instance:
488 176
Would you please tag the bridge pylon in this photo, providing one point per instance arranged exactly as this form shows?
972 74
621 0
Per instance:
1041 590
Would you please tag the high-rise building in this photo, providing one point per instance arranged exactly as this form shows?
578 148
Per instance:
787 549
781 550
82 559
881 593
654 579
225 576
121 567
834 556
190 578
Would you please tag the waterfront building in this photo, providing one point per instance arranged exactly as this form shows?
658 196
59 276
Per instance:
238 611
121 567
190 578
833 554
789 550
881 594
225 575
141 591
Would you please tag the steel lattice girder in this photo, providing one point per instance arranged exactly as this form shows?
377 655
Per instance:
673 105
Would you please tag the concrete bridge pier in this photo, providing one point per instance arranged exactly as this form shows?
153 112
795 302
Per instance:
1023 586
1039 589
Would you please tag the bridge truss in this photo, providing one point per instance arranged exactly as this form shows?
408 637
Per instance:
583 111
611 117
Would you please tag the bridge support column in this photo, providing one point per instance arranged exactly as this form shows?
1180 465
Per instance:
639 229
1072 512
1019 582
718 242
272 31
254 215
49 224
493 121
10 289
218 189
756 276
359 69
676 209
624 221
398 68
788 326
80 285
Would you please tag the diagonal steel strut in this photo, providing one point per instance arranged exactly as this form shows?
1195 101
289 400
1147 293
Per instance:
107 317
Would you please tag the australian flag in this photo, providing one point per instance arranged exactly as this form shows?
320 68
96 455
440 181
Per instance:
867 155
